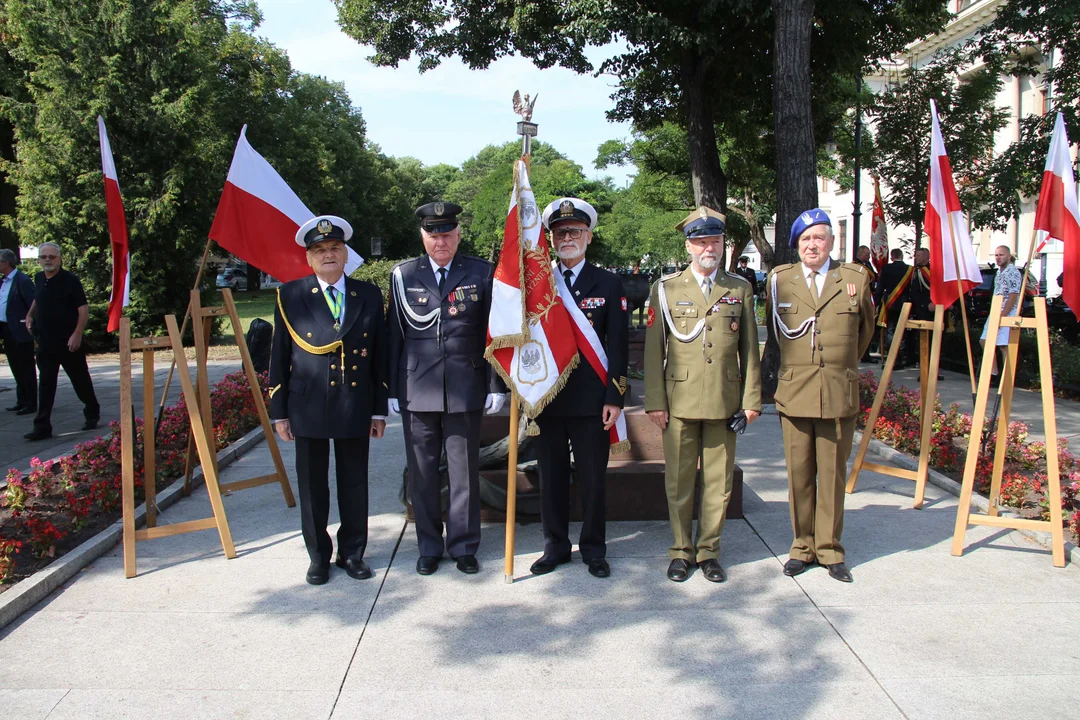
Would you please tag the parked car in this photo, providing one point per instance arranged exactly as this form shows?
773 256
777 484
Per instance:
1060 317
233 278
978 298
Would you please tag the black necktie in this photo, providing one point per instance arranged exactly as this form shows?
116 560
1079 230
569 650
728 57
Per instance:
569 275
333 293
442 279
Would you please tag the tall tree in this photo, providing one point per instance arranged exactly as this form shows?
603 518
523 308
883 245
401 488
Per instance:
969 118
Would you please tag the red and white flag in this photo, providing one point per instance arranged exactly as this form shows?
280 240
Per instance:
879 235
258 216
120 297
1057 217
530 338
945 226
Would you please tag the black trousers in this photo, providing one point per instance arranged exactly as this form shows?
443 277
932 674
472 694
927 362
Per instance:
591 446
425 435
313 479
49 361
20 357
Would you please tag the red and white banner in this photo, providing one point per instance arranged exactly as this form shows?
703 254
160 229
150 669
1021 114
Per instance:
950 245
258 216
530 338
879 234
120 297
1057 217
590 347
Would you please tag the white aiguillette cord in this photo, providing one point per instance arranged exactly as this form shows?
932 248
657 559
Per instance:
665 311
416 321
782 328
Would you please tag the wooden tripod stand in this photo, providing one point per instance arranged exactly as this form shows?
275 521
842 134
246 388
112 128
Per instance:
928 367
964 516
201 331
127 446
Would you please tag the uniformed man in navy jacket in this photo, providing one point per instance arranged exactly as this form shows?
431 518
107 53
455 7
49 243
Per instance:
327 382
441 383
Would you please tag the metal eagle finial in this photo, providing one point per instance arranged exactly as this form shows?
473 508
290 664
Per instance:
524 108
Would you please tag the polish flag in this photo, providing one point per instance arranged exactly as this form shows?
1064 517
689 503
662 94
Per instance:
945 226
1057 217
258 216
879 236
120 297
530 340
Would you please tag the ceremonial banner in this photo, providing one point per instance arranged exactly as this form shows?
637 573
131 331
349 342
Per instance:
945 226
879 237
888 302
1057 217
120 296
258 216
530 338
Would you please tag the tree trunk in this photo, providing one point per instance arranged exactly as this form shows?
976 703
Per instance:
706 175
796 168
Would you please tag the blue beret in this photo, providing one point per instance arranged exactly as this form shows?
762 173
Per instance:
808 219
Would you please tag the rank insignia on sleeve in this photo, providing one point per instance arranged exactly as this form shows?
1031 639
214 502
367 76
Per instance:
651 319
620 385
623 304
274 389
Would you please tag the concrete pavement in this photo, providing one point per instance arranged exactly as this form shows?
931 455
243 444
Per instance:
67 417
920 634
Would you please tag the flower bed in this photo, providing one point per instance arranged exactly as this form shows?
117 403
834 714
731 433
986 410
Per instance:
1023 481
59 504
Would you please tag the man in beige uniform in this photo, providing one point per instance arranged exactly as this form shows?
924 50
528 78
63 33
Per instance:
824 320
702 367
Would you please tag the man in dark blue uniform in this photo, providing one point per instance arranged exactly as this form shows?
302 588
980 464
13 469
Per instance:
327 381
441 383
584 411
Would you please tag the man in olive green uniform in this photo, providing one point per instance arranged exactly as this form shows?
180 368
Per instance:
702 373
824 320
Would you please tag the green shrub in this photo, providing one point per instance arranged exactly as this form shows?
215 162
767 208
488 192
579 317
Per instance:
376 272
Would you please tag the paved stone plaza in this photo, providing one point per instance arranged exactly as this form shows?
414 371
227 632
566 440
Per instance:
920 634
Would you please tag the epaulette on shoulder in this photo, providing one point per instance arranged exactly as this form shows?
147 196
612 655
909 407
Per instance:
477 259
782 268
857 267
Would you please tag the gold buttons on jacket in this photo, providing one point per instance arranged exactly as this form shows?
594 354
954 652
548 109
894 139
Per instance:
354 384
333 367
354 367
355 352
309 334
333 382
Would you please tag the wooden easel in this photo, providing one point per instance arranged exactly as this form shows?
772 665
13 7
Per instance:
928 374
127 444
964 516
201 331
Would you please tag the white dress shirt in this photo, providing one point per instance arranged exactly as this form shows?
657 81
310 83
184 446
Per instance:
435 270
574 271
5 290
818 277
701 279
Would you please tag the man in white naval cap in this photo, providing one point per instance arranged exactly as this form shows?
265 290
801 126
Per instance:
328 382
584 411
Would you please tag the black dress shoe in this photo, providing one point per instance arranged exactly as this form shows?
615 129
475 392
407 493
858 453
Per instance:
598 567
38 434
14 408
547 563
318 574
427 564
25 411
795 567
839 571
468 565
91 424
354 568
712 571
678 570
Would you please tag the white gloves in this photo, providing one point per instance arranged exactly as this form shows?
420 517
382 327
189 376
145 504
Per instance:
395 409
494 402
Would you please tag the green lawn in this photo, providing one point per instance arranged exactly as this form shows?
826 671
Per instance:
251 305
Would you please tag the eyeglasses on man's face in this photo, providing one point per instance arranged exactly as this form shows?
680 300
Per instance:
572 233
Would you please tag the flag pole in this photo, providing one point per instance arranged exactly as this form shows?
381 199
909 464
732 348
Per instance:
963 308
183 329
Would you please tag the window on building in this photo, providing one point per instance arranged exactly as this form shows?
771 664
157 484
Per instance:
963 4
1042 102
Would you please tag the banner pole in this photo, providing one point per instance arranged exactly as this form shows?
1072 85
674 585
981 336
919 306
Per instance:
511 488
183 329
963 308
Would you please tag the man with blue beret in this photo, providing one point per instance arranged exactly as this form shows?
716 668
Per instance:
702 387
328 382
824 320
